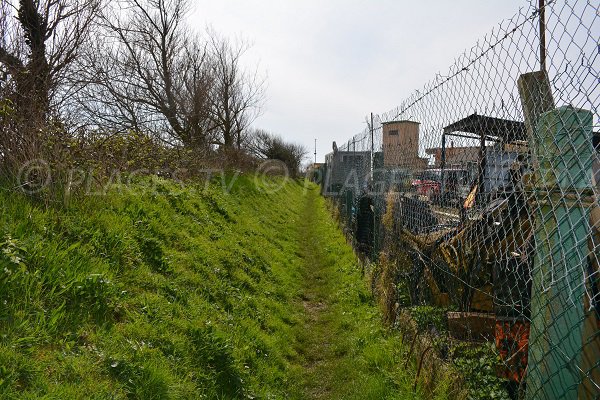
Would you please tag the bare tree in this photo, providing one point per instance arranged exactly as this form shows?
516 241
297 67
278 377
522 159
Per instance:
39 41
150 73
236 94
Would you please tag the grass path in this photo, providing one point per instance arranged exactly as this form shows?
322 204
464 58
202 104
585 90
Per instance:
345 352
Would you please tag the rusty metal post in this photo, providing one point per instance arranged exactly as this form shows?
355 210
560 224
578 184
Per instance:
419 367
542 5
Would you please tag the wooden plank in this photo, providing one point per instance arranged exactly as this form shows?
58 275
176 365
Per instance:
471 325
536 98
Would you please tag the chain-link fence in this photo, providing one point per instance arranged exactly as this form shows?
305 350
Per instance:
481 191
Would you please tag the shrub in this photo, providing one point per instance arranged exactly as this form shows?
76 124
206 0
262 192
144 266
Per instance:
427 317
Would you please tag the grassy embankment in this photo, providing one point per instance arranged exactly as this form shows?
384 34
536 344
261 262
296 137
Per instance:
157 291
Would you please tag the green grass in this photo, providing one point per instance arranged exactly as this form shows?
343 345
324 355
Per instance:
346 352
159 291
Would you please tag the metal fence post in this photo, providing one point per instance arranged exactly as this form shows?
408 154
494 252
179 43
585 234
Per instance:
562 147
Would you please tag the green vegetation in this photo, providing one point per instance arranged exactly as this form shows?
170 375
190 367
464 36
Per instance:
428 317
477 363
478 366
158 291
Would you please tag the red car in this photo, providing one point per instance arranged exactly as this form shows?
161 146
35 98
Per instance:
429 183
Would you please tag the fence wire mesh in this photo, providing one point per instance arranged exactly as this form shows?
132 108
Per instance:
481 190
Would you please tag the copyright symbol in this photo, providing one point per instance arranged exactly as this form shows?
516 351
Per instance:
34 176
263 179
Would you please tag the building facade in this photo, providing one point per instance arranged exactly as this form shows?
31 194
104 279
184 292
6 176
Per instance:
347 170
401 146
456 157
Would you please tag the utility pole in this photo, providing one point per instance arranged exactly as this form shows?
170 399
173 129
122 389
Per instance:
372 147
315 151
355 162
374 239
542 6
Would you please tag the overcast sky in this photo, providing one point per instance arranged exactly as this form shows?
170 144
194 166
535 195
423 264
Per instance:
329 63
